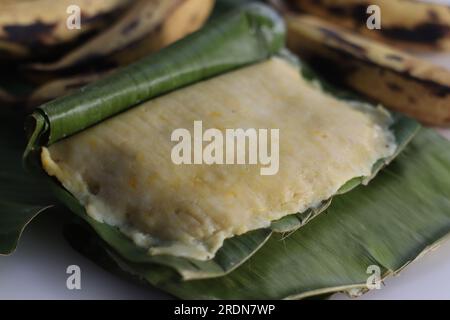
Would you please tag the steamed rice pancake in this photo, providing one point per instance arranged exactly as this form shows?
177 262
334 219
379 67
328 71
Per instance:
122 173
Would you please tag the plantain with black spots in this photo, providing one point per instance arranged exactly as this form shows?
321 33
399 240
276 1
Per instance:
386 75
408 24
28 28
147 27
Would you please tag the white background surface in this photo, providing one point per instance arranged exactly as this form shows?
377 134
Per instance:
37 270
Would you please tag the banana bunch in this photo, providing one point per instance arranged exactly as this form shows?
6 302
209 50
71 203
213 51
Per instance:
408 24
335 38
147 27
49 59
396 79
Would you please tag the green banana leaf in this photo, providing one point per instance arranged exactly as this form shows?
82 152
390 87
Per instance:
251 34
247 36
22 196
403 213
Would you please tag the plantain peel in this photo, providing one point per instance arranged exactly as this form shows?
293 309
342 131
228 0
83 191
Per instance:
189 210
408 24
393 78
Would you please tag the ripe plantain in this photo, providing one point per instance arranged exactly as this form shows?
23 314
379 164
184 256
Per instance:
408 24
396 79
147 27
29 27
